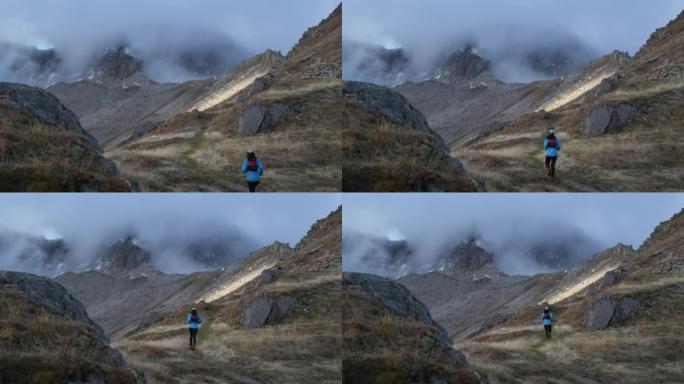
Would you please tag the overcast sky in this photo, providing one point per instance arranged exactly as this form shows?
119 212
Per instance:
79 27
426 27
87 220
429 221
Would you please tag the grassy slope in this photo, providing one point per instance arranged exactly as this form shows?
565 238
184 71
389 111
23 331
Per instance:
647 348
302 348
197 151
647 155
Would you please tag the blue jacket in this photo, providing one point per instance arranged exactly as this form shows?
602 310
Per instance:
192 324
548 321
253 176
551 151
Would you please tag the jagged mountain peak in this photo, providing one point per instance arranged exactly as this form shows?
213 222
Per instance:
122 258
462 65
118 67
466 258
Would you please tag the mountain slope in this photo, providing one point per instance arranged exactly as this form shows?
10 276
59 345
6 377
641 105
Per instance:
464 102
117 102
123 292
44 148
289 115
623 327
619 134
468 295
273 317
47 336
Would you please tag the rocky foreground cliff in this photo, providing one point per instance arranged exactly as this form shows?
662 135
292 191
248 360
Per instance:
43 147
46 336
390 337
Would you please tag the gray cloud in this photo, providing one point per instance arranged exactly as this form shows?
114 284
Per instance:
507 224
163 223
426 29
82 29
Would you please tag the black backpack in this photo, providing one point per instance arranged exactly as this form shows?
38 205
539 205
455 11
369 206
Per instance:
194 318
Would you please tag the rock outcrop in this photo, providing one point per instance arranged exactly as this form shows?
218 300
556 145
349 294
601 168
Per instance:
610 311
266 309
258 118
606 118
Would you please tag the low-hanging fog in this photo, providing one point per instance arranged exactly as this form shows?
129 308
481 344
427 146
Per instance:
511 226
177 40
163 224
508 33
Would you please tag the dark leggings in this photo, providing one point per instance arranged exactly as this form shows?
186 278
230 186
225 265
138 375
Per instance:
193 337
547 329
252 185
551 164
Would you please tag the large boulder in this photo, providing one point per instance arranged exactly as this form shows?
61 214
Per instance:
258 117
265 309
606 118
609 311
